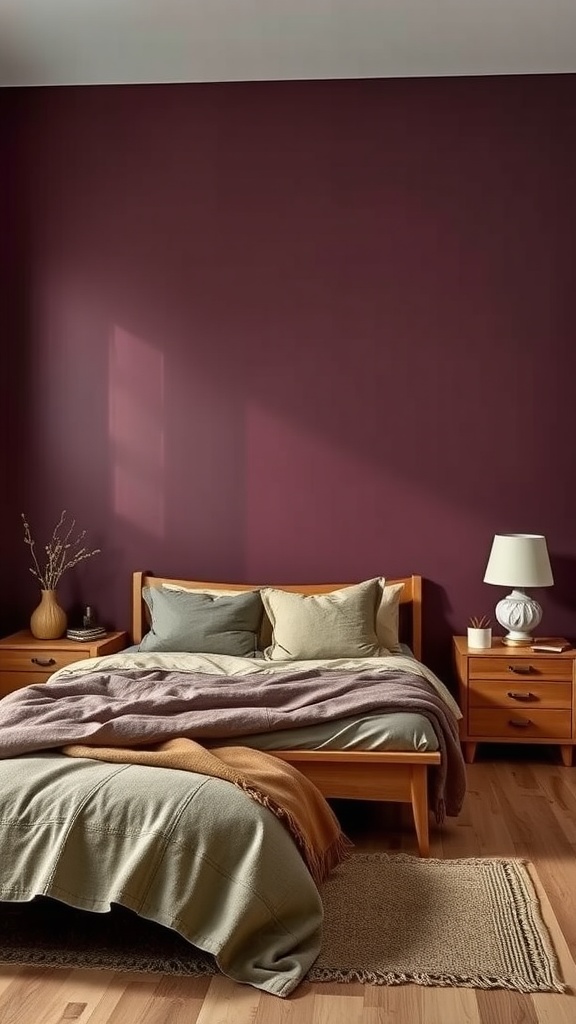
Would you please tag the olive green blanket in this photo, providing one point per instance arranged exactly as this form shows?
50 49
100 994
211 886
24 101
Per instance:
188 851
295 801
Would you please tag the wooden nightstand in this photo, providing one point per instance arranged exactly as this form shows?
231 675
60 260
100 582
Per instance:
25 660
515 695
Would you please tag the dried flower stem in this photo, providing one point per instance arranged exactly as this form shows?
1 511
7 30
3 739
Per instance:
63 552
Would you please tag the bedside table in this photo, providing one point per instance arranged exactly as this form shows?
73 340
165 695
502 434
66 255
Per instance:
515 695
25 660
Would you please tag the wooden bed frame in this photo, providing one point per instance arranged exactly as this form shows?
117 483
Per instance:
401 777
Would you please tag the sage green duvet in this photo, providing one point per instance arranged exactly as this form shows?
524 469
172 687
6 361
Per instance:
188 851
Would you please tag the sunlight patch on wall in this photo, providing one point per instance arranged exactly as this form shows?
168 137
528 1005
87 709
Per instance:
136 430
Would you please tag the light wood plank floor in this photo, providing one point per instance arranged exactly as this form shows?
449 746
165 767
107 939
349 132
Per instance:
525 806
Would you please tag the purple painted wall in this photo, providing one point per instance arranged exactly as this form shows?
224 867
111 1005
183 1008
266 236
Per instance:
297 331
13 411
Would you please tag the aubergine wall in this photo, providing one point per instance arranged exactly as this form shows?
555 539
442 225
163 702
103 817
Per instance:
6 263
13 404
299 331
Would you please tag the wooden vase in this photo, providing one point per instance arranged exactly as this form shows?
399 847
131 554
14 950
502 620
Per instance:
48 621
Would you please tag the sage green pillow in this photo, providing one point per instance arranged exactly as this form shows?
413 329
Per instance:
181 620
340 624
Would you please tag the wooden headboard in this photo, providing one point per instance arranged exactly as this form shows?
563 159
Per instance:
410 601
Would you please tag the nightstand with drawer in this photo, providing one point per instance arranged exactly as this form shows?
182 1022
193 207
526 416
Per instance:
25 660
515 695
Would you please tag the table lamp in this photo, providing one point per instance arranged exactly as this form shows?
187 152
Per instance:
519 560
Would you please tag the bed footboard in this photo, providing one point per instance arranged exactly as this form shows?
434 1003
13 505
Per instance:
400 777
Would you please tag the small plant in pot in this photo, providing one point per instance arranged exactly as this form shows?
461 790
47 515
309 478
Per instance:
479 632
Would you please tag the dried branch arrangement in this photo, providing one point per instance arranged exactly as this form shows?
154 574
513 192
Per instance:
63 552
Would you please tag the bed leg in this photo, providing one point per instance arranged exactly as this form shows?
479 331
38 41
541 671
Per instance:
419 795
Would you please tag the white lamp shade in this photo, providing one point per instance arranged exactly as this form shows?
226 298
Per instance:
519 560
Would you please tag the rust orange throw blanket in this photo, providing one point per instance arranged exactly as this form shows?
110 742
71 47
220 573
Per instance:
288 794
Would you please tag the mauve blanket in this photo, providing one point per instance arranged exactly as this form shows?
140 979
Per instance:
139 707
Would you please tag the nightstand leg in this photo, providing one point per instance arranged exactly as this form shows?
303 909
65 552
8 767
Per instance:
566 753
470 752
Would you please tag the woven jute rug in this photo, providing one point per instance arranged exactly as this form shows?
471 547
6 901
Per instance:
389 920
473 922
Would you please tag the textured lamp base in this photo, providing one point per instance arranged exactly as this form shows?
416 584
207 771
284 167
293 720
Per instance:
520 615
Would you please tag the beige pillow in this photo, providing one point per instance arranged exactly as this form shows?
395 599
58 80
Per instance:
341 624
388 616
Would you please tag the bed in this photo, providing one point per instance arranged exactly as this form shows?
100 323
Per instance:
380 775
87 818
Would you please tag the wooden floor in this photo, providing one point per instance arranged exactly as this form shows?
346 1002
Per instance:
522 807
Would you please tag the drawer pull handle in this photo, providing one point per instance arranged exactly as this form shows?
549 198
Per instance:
521 670
514 695
524 724
43 662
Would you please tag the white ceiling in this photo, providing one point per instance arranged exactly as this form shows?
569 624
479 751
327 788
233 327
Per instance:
64 42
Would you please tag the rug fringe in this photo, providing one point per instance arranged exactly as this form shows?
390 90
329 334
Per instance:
327 974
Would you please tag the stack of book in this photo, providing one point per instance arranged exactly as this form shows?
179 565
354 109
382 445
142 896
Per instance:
554 644
86 635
